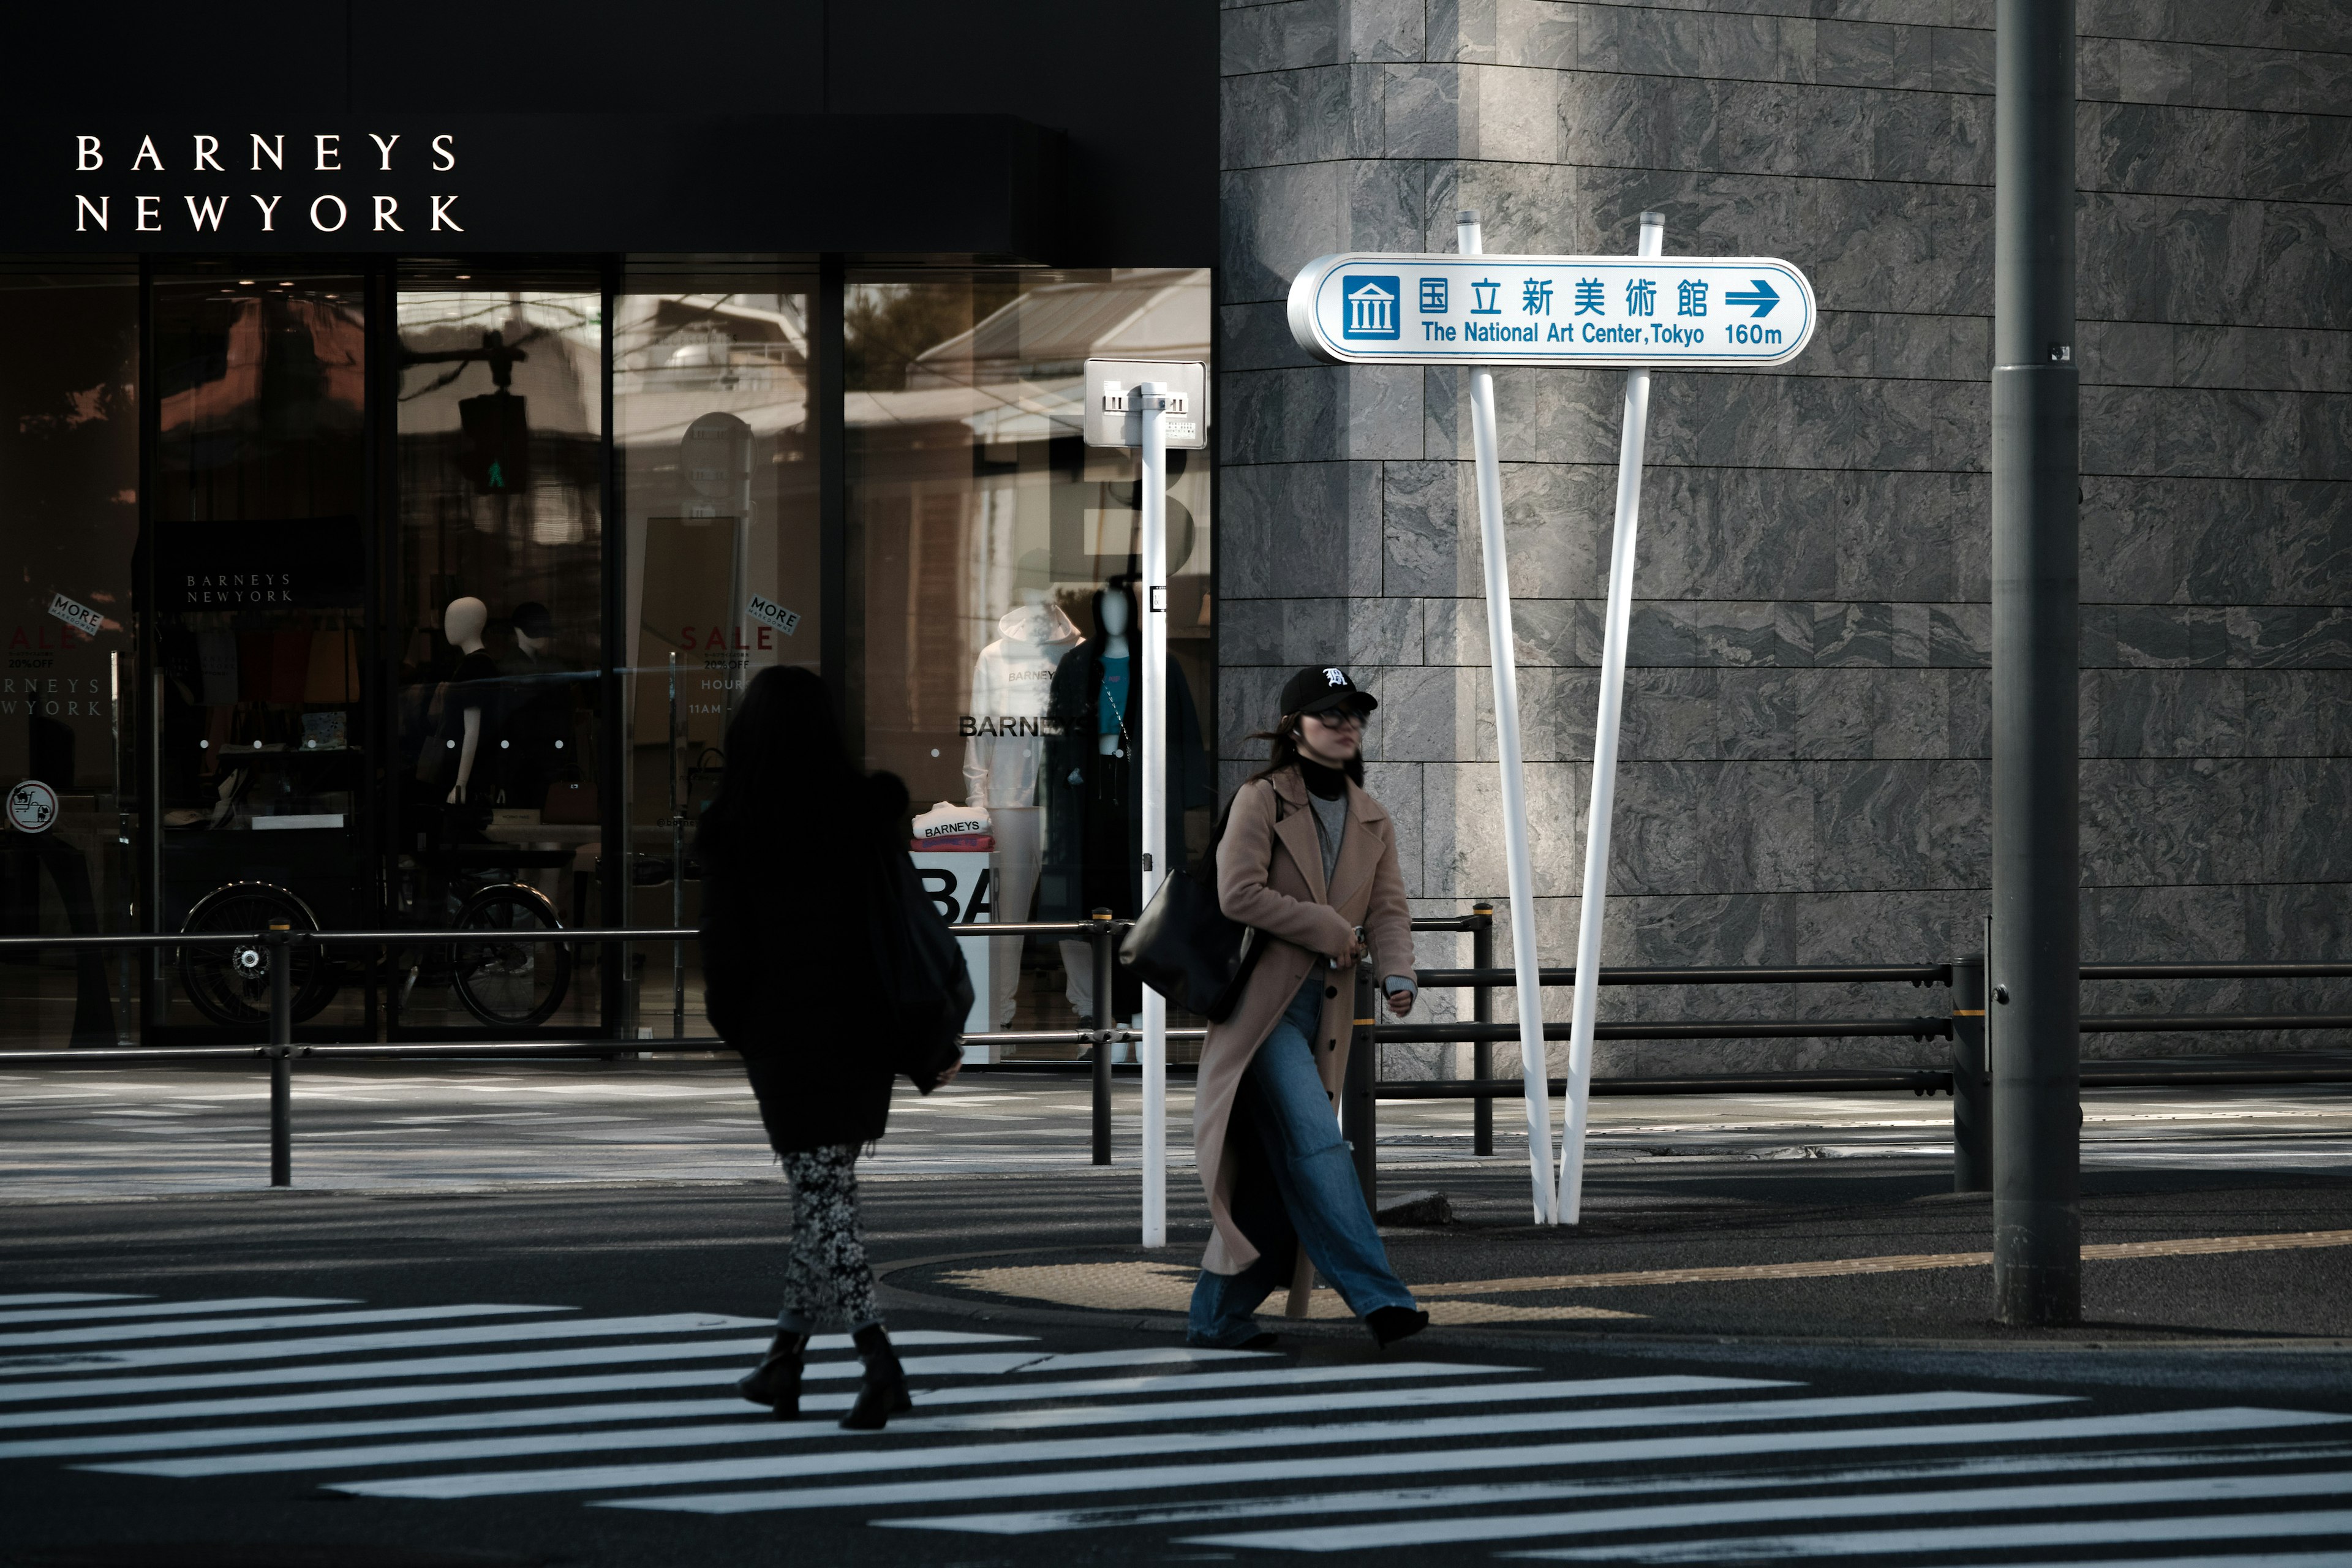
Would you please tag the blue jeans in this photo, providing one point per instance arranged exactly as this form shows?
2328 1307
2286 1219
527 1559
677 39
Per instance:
1295 1185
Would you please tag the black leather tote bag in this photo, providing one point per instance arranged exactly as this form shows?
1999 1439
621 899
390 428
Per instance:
924 993
1184 947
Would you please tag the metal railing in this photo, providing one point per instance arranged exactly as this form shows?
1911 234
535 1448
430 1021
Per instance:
1100 932
1966 1080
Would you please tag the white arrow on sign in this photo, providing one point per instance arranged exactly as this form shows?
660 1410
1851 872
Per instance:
1751 311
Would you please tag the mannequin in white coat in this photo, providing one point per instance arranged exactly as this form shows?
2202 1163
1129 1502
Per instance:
462 623
1011 683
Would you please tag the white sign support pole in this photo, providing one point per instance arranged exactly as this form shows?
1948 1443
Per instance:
1503 655
1631 441
1152 481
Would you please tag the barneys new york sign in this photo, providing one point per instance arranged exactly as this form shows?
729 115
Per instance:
113 184
545 182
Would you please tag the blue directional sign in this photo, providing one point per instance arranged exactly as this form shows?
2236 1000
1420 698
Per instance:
1694 310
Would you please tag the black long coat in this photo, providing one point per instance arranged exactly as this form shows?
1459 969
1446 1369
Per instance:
789 976
1071 754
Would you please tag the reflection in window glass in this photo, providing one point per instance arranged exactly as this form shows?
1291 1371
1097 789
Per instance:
69 500
496 626
994 656
710 394
259 573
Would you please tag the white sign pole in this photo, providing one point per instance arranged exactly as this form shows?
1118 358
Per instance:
1152 480
1503 656
1633 436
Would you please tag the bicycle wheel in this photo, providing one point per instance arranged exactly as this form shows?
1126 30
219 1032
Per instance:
512 984
229 981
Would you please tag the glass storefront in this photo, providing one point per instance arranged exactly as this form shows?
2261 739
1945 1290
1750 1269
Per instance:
496 626
340 533
69 502
994 661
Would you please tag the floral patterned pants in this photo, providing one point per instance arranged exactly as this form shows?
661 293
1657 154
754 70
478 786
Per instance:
828 1283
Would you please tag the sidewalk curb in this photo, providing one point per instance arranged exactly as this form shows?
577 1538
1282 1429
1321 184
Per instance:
1596 1338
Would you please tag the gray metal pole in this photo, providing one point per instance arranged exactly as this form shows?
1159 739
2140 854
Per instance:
676 867
1971 1080
1358 1110
2036 940
281 1042
1104 980
1481 1011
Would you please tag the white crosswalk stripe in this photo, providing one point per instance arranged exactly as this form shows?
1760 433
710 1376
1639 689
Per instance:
1158 1445
58 1310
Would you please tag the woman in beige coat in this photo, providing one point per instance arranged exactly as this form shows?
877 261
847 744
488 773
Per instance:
1309 861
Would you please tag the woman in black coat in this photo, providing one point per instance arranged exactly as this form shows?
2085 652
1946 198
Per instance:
792 849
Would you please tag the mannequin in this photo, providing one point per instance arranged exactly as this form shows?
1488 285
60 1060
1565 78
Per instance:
1111 739
470 688
1011 684
1095 828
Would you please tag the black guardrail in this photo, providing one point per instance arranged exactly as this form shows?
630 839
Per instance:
1967 1080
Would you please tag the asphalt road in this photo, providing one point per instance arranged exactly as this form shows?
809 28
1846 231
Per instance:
517 1369
541 1377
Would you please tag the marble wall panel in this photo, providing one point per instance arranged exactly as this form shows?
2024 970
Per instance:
1490 112
1462 829
1432 543
2306 801
1733 532
1959 636
1310 115
1907 347
2170 713
2211 76
1280 37
1538 33
1669 715
2198 432
2148 821
1279 218
1546 631
1283 531
1748 419
1249 698
2178 258
1298 415
1728 634
1256 336
1422 716
1693 44
2293 360
2313 25
1557 710
1398 789
1295 633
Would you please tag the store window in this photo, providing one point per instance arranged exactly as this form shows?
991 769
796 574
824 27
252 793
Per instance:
69 503
994 660
712 401
258 570
497 633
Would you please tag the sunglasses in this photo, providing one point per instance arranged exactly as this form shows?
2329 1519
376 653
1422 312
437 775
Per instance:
1339 717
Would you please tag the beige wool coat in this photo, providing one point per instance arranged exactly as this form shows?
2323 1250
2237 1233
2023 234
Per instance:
1270 877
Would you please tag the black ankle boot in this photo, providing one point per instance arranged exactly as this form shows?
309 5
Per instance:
776 1381
884 1392
1389 1324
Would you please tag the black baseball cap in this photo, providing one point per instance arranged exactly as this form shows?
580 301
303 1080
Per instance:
1322 689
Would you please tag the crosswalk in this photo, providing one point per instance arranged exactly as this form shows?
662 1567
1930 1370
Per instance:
1156 1445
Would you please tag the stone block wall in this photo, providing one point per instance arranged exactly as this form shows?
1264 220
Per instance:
1805 774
